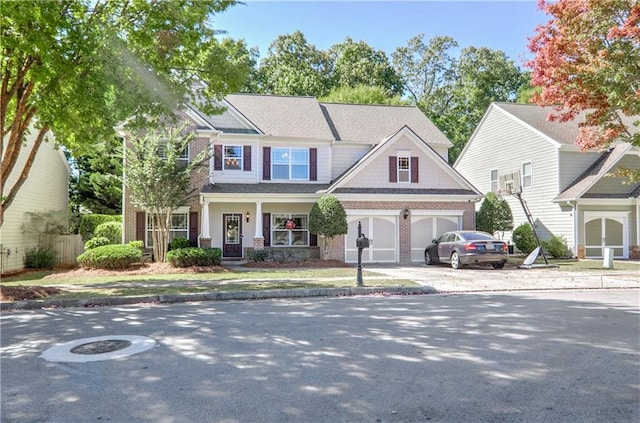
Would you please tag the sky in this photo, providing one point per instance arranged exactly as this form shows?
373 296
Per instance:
386 24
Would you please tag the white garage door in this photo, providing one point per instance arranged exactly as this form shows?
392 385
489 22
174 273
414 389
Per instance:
383 239
424 228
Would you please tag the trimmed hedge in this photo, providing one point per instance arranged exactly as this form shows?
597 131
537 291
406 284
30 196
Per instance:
180 242
524 238
110 230
110 257
89 222
192 256
96 241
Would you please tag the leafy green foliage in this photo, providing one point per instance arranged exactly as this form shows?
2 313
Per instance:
110 257
40 258
363 94
524 238
110 230
258 255
180 242
137 244
192 256
160 183
556 246
328 218
97 241
494 215
89 223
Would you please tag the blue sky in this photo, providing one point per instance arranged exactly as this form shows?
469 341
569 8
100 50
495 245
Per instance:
387 24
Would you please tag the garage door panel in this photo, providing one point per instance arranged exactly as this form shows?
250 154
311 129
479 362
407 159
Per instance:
382 232
425 228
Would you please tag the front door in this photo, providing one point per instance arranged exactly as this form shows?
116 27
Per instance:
232 234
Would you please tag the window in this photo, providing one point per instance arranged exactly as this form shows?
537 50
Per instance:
179 227
494 180
162 152
404 169
526 174
289 230
232 157
290 163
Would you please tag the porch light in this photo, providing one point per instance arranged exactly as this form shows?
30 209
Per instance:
248 216
405 213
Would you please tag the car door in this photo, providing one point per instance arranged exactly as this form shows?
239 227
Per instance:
444 247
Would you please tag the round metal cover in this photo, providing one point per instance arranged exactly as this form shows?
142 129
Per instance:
98 348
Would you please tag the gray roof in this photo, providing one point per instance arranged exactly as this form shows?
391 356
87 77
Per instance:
298 117
265 188
373 123
402 191
538 118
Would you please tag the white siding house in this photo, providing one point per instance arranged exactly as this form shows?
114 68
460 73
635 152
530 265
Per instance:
45 189
569 192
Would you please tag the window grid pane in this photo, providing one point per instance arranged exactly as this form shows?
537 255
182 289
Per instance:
232 157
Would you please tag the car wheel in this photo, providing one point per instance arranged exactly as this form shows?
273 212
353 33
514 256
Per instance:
427 258
497 265
455 260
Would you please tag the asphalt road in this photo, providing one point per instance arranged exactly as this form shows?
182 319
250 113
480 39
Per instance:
571 356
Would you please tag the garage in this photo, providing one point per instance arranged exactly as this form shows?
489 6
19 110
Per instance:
381 229
427 225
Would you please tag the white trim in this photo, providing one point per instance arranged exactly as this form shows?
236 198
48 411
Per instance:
621 217
437 212
531 128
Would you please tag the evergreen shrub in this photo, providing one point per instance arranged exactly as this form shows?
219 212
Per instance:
110 257
556 247
180 242
524 238
192 256
39 258
110 230
89 222
96 241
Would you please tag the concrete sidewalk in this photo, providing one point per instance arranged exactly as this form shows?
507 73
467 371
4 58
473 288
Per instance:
432 280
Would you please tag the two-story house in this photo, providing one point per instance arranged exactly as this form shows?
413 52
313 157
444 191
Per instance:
570 193
275 156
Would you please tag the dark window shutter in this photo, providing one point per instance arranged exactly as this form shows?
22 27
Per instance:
266 163
313 164
246 158
393 169
313 240
193 228
414 169
141 226
217 157
266 227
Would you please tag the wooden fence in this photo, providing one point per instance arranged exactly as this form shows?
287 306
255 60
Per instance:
68 247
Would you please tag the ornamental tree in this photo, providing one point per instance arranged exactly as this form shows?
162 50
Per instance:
587 63
328 218
494 215
158 181
80 67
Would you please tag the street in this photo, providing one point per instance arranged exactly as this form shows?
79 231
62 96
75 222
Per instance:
553 356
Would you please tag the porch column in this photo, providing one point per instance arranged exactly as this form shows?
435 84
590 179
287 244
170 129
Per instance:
258 238
205 235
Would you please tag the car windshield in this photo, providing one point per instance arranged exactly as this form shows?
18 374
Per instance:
476 236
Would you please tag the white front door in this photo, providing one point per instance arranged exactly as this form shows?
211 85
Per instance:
606 230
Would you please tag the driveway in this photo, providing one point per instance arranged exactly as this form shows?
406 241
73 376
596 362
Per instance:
480 278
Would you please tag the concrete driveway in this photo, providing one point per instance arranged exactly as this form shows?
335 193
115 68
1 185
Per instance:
480 278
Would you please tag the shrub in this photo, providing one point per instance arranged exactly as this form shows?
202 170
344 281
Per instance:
180 242
96 241
258 255
556 246
524 238
110 257
192 256
39 258
89 222
137 244
110 230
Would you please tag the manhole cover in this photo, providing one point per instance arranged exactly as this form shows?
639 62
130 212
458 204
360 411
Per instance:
98 348
101 347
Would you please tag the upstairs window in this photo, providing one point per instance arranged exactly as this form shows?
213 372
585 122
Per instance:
232 157
527 171
494 180
290 163
404 169
162 152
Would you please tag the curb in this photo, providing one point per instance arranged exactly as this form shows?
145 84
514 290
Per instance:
215 296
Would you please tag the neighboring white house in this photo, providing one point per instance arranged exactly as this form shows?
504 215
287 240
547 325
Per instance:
275 156
46 188
568 192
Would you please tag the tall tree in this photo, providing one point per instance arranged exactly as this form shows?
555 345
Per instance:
357 63
158 180
97 187
363 94
494 215
79 67
587 62
294 67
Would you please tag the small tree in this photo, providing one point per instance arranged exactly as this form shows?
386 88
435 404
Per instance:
494 215
158 180
328 218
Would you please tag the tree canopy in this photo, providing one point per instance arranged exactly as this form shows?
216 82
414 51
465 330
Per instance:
80 67
328 218
587 64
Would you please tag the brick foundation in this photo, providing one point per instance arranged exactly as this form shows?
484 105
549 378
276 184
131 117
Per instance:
634 252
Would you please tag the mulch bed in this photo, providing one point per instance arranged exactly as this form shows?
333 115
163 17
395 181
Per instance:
19 293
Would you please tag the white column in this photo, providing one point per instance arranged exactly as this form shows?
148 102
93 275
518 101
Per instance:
206 233
259 224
